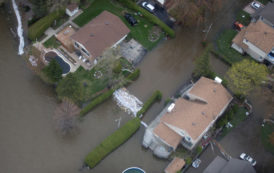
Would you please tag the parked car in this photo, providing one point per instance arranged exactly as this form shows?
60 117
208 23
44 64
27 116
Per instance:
196 163
238 26
255 5
131 20
148 6
246 157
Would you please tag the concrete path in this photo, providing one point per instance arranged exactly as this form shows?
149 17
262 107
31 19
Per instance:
50 31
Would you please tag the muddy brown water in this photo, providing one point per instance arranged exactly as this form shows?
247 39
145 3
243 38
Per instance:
28 142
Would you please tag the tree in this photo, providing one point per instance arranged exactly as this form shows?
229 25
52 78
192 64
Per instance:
65 118
39 8
202 65
70 87
192 12
53 71
245 76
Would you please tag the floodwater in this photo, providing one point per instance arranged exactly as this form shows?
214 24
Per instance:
28 142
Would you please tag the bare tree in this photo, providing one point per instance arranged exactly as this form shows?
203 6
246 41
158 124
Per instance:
65 118
193 12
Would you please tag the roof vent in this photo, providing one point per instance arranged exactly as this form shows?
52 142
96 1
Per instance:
214 90
171 107
107 23
91 35
203 113
218 80
194 124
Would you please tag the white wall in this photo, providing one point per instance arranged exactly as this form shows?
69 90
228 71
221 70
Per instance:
71 13
254 51
118 42
237 48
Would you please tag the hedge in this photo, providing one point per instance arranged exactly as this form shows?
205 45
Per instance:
134 75
38 28
112 142
98 100
156 96
132 5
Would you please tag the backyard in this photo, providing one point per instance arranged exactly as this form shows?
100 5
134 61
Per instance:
101 77
51 43
140 32
267 135
224 50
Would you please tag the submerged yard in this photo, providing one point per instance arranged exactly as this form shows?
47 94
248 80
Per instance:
140 32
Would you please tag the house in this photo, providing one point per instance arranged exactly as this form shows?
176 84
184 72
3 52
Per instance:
175 165
104 31
257 40
72 9
266 14
64 38
220 165
187 120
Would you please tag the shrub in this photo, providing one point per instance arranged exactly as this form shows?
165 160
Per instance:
112 142
98 100
230 115
38 28
156 96
117 67
235 108
188 160
167 101
132 5
133 76
199 149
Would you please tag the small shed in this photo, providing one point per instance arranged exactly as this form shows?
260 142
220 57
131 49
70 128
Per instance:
72 9
176 165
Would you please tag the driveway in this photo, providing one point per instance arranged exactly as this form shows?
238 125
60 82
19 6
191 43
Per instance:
160 12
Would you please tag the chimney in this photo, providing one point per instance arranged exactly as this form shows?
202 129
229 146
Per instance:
218 80
171 107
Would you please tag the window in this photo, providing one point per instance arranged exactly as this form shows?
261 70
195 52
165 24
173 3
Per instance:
76 44
85 52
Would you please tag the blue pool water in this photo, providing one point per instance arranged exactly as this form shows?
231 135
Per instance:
133 170
65 66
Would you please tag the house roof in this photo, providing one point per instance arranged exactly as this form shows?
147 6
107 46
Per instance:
193 117
219 165
267 12
72 6
259 34
101 33
176 165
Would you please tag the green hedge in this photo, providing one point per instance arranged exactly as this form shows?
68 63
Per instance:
37 29
156 96
98 100
134 76
132 5
112 142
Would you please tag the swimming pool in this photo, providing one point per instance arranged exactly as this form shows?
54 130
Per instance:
53 55
134 170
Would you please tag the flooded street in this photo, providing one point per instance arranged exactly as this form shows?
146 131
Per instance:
28 142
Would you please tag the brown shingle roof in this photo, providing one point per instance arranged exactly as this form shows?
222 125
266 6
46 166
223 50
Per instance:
176 165
72 6
194 117
259 34
101 33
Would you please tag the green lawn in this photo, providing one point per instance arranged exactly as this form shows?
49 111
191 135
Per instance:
93 85
139 32
265 132
224 47
51 43
238 117
243 17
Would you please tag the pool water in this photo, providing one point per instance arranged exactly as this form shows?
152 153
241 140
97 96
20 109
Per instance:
65 66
